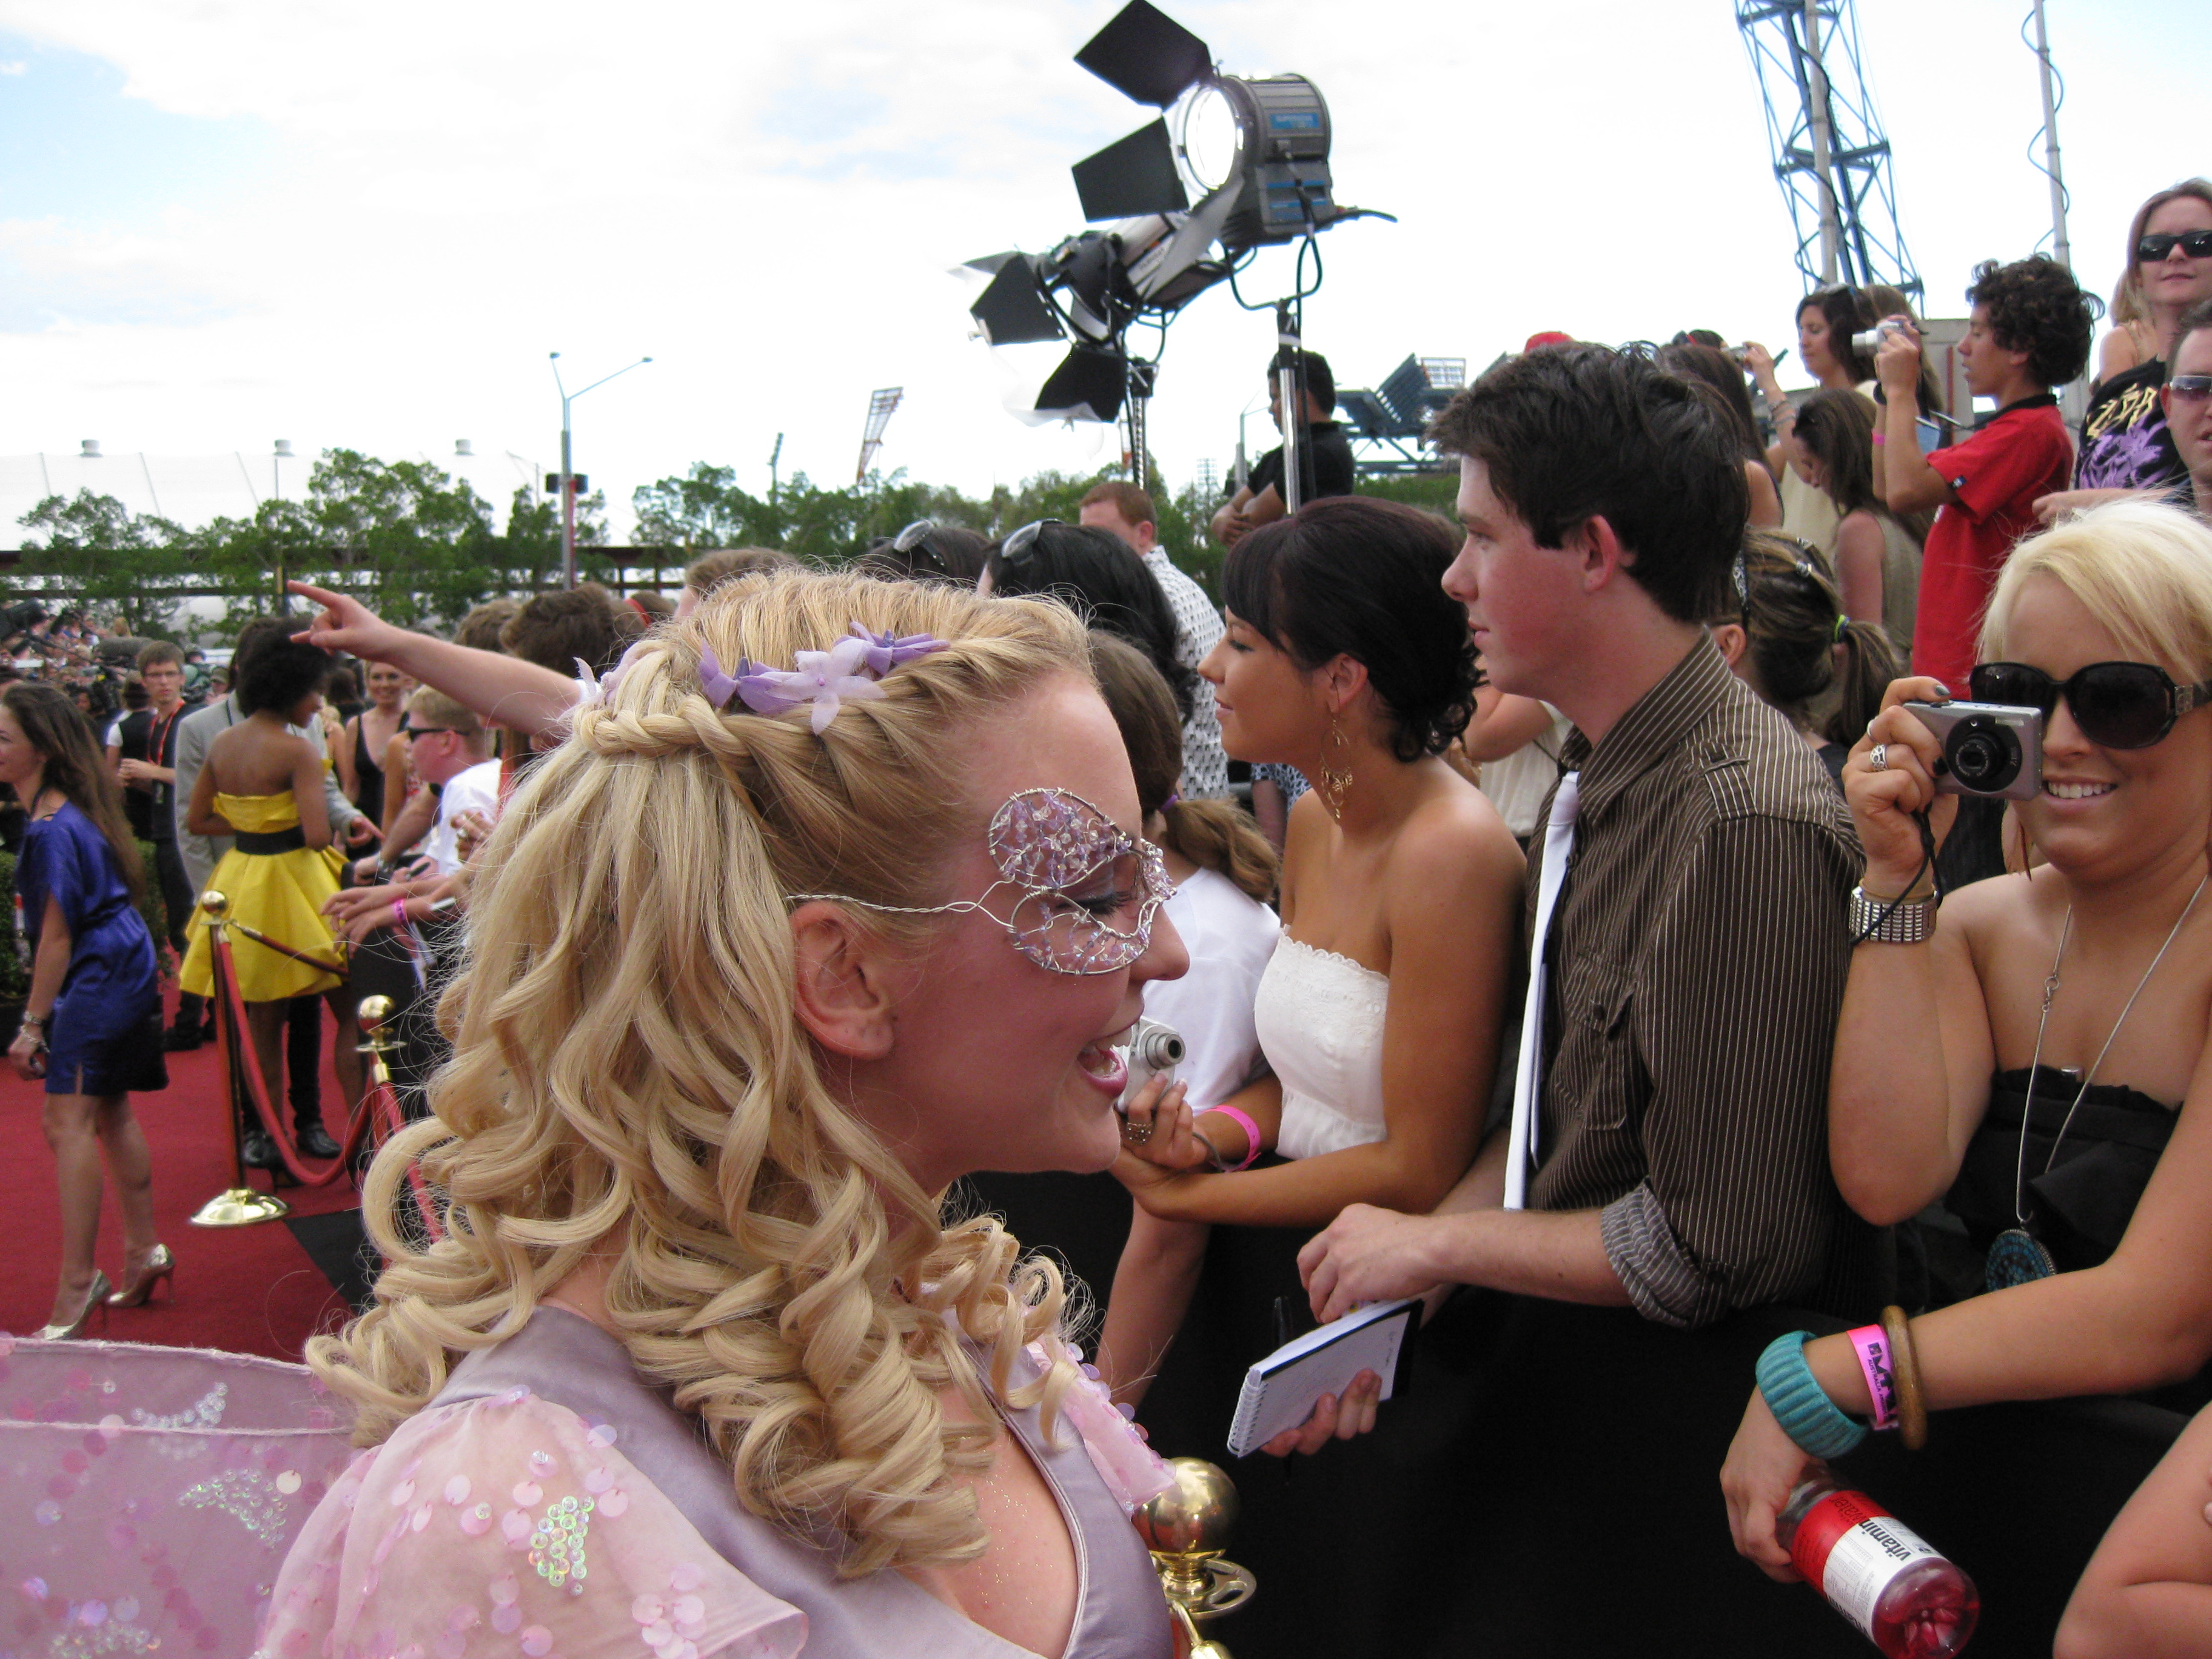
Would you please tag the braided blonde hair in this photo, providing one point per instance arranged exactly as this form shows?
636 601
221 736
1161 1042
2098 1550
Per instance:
628 1067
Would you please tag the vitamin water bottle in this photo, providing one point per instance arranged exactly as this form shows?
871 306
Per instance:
1909 1601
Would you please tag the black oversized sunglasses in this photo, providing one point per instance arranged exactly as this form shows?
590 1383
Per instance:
2196 243
2118 705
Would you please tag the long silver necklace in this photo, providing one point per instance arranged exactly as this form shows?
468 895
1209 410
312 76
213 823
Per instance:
2016 1255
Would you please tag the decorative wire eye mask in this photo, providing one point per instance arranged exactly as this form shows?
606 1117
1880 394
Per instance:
1075 872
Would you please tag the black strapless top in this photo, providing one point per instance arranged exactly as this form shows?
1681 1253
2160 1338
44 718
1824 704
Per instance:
2081 1206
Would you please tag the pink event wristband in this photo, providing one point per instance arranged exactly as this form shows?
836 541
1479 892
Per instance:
1871 1344
1251 1138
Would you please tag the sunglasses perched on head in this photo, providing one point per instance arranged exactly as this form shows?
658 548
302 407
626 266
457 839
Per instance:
2196 243
1021 547
2118 705
915 539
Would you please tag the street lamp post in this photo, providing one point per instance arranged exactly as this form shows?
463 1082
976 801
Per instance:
281 453
567 474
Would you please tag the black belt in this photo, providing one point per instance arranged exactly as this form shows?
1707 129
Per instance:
271 841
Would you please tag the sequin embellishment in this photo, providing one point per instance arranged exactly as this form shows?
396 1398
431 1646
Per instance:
557 1544
248 1498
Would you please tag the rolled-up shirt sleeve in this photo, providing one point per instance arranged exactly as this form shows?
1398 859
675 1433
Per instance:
1733 1022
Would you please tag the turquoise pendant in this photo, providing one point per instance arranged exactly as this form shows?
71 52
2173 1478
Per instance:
2016 1258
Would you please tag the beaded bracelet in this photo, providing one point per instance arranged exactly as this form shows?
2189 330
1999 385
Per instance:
1799 1403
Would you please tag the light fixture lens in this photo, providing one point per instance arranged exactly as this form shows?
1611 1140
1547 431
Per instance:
1208 138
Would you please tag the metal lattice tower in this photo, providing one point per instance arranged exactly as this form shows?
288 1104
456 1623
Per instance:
1829 152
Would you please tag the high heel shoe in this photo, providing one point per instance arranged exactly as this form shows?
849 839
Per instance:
140 1290
95 1298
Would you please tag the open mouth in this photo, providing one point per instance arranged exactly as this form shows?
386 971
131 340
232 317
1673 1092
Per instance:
2076 791
1104 1064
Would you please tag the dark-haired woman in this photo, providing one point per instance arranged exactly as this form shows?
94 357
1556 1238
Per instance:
1826 323
1094 571
1695 360
1381 1008
92 1021
262 786
1876 555
1787 637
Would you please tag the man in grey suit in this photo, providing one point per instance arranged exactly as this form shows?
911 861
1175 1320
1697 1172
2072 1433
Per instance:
303 1056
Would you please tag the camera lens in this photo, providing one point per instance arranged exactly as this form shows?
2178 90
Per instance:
1983 755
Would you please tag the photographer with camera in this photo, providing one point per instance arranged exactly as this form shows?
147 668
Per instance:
2034 1052
2029 332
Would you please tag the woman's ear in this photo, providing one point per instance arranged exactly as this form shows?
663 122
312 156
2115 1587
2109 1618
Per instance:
841 985
1342 679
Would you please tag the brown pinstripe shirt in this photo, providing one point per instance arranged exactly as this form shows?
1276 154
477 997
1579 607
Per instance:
1697 963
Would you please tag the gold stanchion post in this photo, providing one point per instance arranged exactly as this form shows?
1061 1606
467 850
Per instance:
1187 1529
241 1206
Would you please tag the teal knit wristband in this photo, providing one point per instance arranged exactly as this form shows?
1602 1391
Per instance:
1799 1403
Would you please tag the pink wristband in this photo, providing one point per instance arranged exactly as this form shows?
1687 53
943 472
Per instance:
1871 1344
1878 438
1251 1136
399 913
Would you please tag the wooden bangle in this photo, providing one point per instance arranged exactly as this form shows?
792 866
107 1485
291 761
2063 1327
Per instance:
1911 1403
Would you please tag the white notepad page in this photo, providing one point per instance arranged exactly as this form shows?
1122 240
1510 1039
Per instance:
1279 1391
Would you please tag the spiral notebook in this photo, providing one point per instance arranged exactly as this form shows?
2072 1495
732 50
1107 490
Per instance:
1280 1391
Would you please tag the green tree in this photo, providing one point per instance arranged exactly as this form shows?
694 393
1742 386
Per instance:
100 551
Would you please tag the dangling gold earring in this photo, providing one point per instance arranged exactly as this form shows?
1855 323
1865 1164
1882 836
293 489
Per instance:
1336 782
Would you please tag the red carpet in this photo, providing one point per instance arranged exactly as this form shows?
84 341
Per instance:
252 1290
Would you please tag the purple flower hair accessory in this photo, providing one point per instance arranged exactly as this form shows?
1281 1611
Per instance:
719 686
887 651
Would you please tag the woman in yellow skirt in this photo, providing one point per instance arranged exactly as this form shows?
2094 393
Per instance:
262 785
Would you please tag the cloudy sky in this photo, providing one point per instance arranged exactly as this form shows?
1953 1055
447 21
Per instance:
233 220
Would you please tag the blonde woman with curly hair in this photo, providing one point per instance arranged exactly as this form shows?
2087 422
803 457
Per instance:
833 894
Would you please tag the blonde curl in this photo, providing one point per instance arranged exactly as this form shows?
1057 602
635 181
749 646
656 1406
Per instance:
629 1077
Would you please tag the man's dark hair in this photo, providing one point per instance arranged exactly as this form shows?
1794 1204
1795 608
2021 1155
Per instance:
1133 504
277 673
2036 307
1579 432
1313 372
159 651
1353 576
559 629
480 628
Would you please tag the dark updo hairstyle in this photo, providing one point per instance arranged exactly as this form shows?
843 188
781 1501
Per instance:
1357 577
1793 623
1214 835
937 553
278 674
1693 360
1094 573
75 768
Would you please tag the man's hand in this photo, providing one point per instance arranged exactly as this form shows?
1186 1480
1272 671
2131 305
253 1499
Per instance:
134 771
1763 1467
471 830
2049 509
1368 1255
360 832
344 623
369 906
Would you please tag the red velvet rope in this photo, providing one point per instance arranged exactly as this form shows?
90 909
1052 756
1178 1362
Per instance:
227 1032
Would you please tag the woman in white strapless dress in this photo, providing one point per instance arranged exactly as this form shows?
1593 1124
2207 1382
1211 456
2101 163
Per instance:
1380 1011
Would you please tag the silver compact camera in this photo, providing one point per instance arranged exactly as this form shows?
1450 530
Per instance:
1989 748
1154 1049
1869 341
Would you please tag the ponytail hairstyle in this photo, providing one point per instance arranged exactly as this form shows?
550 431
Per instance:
630 1079
1794 625
1214 835
54 725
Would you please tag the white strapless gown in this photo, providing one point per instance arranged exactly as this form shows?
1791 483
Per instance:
1320 1022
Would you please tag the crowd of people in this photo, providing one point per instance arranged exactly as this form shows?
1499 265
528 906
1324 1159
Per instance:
1654 956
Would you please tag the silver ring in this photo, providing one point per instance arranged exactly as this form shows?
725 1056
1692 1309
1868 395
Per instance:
1878 758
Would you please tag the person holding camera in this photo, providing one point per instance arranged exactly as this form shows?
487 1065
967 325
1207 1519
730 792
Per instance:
2034 1051
2029 332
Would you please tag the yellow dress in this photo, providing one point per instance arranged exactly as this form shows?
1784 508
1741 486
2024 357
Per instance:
279 893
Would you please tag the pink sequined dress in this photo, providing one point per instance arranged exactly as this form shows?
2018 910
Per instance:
550 1503
148 1496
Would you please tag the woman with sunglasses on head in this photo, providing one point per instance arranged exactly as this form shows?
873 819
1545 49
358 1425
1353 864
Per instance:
1826 322
834 894
92 1018
2125 447
2034 1052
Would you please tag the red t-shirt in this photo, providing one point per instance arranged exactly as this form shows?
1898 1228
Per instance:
1996 475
